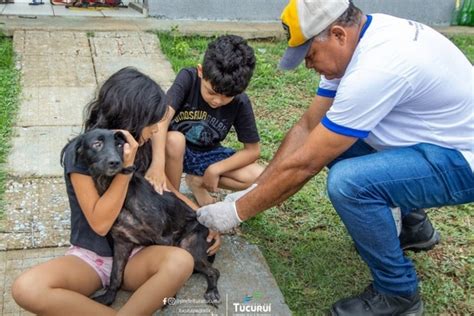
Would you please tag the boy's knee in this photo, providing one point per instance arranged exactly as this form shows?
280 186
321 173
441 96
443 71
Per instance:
175 144
27 291
255 172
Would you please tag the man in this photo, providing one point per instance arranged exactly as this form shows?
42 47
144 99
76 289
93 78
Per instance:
393 119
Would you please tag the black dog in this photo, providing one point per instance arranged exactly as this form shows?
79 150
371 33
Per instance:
147 218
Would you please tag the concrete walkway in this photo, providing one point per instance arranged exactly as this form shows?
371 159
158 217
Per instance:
9 24
61 68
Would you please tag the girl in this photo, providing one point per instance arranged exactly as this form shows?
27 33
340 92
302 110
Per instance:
133 103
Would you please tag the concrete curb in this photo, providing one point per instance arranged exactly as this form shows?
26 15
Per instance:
9 24
254 30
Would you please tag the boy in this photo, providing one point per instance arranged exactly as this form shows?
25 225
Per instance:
203 104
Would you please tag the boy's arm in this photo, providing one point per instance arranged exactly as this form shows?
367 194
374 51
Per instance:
213 235
181 196
175 96
156 172
244 157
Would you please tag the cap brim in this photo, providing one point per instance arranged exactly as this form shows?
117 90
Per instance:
294 56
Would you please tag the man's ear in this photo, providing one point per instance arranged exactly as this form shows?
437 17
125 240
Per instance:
339 34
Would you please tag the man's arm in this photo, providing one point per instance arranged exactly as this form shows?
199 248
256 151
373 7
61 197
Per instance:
298 134
285 178
290 173
307 148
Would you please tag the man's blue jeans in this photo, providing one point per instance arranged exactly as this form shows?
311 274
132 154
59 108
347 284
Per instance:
363 184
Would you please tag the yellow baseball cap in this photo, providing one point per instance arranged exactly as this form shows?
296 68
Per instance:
304 19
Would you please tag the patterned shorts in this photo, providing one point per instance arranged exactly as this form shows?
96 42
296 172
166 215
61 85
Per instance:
101 265
196 162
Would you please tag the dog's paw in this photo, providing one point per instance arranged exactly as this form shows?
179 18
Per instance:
107 298
213 297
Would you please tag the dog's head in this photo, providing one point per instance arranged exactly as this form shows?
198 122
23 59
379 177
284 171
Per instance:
101 151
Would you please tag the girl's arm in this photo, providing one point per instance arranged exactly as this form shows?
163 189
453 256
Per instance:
244 157
156 172
102 211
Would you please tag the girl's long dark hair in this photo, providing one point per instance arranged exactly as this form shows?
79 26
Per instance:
128 100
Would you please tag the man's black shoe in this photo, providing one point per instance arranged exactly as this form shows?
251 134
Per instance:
371 302
417 232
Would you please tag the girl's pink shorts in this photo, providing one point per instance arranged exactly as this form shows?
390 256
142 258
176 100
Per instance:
102 265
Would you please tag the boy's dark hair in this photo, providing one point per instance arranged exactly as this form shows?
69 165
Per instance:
128 100
228 65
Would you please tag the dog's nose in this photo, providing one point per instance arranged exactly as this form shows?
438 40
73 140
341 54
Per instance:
114 164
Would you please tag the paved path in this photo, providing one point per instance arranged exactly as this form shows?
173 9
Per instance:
188 27
11 24
60 73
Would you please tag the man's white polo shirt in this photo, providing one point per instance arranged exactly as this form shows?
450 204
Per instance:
405 84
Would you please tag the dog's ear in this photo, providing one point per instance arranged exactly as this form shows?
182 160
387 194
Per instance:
72 143
120 139
120 135
78 147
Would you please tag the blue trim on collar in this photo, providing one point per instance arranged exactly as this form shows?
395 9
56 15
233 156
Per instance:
366 26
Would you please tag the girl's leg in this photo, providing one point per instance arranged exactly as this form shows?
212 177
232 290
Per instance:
60 287
241 179
155 273
175 148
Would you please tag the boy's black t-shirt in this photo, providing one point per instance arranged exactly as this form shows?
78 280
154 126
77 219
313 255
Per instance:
203 126
82 234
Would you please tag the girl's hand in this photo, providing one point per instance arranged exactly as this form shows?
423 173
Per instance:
129 148
157 179
210 180
213 235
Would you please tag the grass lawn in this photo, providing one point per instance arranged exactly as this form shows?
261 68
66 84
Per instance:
9 89
308 249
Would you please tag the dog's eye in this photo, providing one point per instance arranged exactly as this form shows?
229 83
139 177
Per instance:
97 144
119 145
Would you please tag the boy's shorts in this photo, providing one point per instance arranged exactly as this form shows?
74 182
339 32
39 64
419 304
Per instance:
196 162
101 265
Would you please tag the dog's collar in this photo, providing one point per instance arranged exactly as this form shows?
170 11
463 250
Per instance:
128 170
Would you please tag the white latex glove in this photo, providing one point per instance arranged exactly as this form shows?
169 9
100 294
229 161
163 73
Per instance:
237 195
220 216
